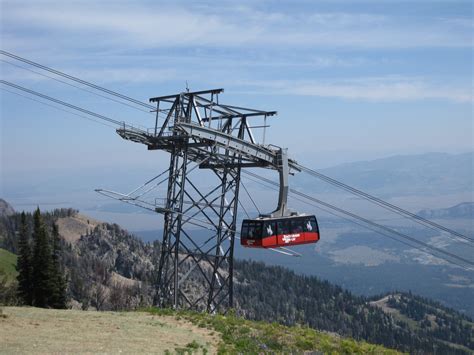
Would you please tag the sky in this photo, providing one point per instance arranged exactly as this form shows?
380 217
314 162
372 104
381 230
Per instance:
351 80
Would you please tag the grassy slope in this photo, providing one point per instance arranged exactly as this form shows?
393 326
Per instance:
8 264
161 331
52 331
249 337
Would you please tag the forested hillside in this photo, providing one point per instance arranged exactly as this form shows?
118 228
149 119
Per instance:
430 318
109 269
275 293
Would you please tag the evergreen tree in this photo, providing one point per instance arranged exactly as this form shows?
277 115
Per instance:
24 267
42 263
58 296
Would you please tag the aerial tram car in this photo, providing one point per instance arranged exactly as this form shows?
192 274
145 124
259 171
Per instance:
279 232
283 227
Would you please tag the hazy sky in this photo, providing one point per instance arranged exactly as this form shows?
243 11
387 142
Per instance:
350 79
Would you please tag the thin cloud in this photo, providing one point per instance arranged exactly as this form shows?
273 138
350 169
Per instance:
128 75
20 72
386 89
161 26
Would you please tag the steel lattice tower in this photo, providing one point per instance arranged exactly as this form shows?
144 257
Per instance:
199 132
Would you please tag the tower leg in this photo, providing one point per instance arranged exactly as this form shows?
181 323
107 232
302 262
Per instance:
195 270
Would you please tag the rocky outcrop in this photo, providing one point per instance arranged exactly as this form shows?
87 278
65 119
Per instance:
109 268
6 209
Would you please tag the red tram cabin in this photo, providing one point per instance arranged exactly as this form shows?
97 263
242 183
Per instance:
279 232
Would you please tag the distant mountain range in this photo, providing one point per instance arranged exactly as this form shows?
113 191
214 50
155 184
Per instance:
404 175
462 210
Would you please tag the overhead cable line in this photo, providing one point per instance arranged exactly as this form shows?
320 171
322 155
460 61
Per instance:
73 78
191 219
57 108
251 199
385 204
32 92
387 229
347 219
77 87
376 225
369 224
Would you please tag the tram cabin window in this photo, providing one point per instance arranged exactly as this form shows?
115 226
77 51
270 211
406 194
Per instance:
297 226
283 227
245 230
310 225
269 229
252 230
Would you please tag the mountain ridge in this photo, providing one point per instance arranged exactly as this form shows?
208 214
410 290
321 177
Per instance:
404 175
461 210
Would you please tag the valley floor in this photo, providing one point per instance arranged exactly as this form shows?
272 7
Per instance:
35 330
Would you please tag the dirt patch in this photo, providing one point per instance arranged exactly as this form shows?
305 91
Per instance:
383 304
34 330
72 228
123 281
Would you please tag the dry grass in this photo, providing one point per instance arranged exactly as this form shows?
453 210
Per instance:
34 330
72 228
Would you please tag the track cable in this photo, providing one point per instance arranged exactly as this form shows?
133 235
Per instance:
447 255
384 204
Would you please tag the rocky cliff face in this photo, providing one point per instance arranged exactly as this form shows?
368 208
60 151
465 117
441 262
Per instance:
5 208
109 268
